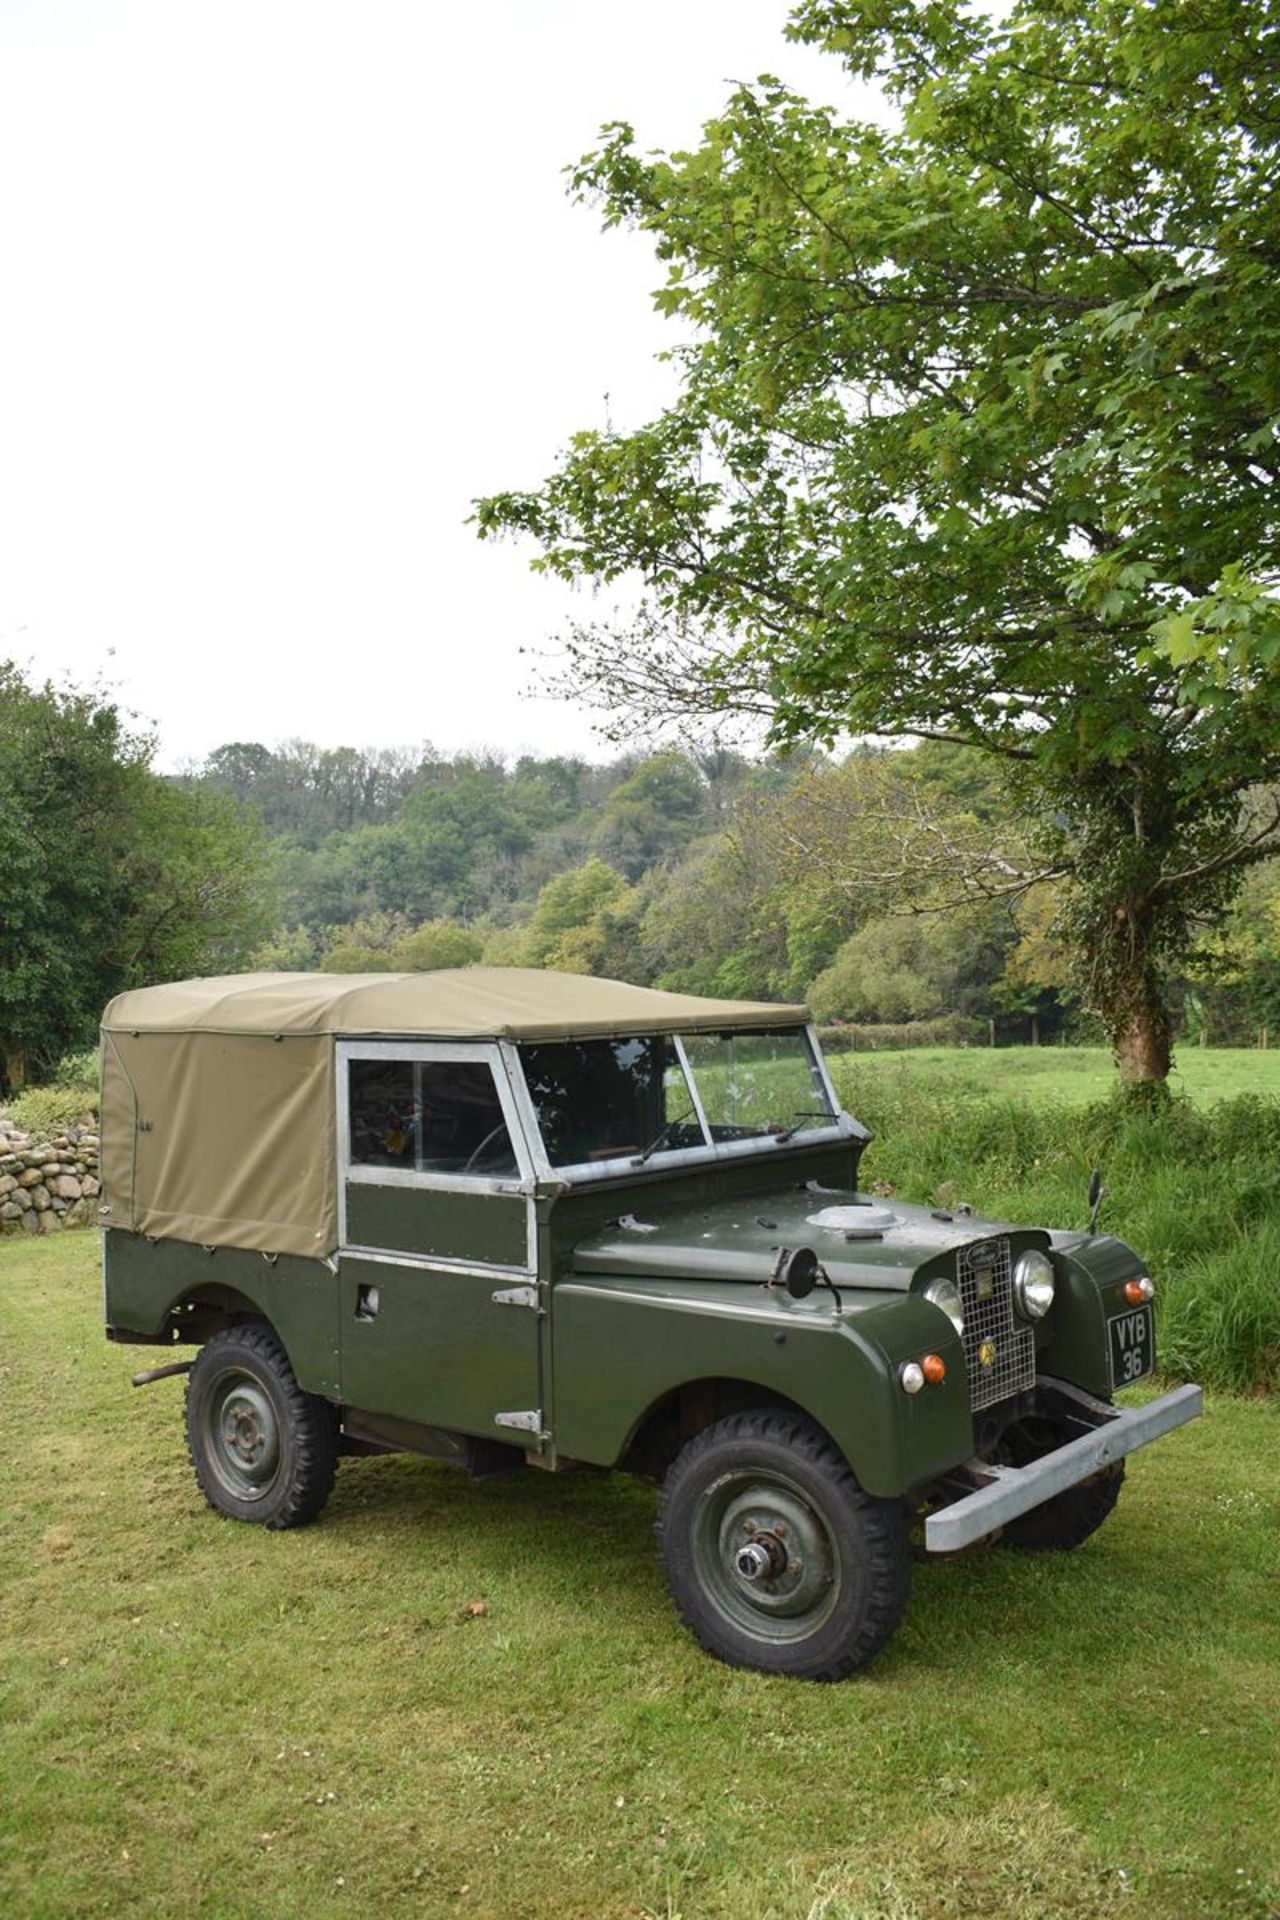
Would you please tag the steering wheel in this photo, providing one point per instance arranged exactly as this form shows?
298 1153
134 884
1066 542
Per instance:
477 1154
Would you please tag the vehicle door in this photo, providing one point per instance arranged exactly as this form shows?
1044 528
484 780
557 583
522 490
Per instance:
438 1254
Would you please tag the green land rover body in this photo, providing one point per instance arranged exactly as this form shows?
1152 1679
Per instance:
512 1218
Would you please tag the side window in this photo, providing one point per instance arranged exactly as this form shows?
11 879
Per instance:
428 1116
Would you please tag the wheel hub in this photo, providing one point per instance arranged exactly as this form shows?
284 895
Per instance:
767 1555
764 1559
246 1436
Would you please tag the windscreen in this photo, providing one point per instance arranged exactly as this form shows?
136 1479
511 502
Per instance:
631 1099
609 1099
754 1083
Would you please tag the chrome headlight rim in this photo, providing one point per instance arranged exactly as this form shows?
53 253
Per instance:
944 1294
1034 1283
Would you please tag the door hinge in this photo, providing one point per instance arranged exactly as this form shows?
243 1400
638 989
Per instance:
528 1421
516 1297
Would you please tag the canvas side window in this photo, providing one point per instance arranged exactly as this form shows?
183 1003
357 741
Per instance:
428 1116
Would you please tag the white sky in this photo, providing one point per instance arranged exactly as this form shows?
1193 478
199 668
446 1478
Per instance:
285 284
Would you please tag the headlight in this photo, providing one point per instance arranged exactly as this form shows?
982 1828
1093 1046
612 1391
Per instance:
945 1293
1033 1283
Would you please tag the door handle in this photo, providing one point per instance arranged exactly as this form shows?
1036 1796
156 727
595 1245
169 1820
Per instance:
366 1302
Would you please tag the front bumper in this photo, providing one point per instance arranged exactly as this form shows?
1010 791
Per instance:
1008 1492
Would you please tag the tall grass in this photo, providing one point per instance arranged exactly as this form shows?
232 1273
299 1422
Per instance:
1197 1193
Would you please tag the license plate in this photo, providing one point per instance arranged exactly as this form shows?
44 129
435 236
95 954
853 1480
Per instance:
1133 1349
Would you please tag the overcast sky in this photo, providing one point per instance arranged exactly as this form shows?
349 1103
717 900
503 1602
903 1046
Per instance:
285 285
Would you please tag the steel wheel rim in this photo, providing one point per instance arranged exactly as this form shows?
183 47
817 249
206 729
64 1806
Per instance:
765 1556
246 1442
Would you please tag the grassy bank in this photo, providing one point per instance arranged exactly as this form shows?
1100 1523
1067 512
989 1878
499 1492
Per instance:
202 1718
1196 1190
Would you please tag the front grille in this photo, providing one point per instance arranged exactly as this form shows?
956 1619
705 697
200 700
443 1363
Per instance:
1001 1357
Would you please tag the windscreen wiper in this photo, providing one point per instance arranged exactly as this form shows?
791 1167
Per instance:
810 1113
690 1113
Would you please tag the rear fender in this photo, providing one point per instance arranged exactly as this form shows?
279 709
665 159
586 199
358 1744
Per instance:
162 1291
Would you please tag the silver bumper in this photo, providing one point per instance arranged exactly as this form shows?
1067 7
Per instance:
1011 1491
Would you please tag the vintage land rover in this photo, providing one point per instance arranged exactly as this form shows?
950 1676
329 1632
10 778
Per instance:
507 1217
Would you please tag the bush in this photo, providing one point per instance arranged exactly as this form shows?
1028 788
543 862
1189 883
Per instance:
46 1110
950 1030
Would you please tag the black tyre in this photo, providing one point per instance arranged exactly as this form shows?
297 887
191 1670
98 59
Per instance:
774 1555
1069 1518
262 1449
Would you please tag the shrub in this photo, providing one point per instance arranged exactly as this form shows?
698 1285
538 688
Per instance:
46 1110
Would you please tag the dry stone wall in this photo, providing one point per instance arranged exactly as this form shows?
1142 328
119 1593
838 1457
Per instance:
46 1185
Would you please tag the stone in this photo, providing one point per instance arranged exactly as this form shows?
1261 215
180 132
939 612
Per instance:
49 1183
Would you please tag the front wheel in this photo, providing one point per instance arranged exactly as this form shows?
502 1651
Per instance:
1065 1522
774 1555
262 1449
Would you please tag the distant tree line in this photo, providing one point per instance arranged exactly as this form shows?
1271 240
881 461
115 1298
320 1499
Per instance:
854 882
849 882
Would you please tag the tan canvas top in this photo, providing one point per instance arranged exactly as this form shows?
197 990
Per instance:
219 1096
481 1003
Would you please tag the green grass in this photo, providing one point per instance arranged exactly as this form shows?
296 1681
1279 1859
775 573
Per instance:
201 1718
1203 1075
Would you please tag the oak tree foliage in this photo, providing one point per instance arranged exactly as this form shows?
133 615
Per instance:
975 439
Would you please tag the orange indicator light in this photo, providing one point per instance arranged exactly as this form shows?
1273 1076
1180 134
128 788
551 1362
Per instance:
934 1369
1136 1291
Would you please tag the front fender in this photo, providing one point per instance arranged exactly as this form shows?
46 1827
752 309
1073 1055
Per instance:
1091 1270
621 1345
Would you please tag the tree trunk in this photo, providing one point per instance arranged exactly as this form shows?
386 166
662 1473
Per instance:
1129 994
13 1069
1143 1048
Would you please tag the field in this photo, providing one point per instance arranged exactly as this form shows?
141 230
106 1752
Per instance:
1203 1075
474 1699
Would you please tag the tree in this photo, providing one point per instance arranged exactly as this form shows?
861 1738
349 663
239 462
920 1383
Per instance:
654 813
975 441
311 791
435 944
110 876
902 967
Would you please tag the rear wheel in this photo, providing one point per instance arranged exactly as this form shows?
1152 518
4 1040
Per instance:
774 1555
262 1449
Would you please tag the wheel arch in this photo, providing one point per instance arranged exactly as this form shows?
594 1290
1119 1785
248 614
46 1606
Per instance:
201 1311
682 1412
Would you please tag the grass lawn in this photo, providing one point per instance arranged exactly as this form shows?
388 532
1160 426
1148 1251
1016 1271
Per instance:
1076 1074
201 1718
